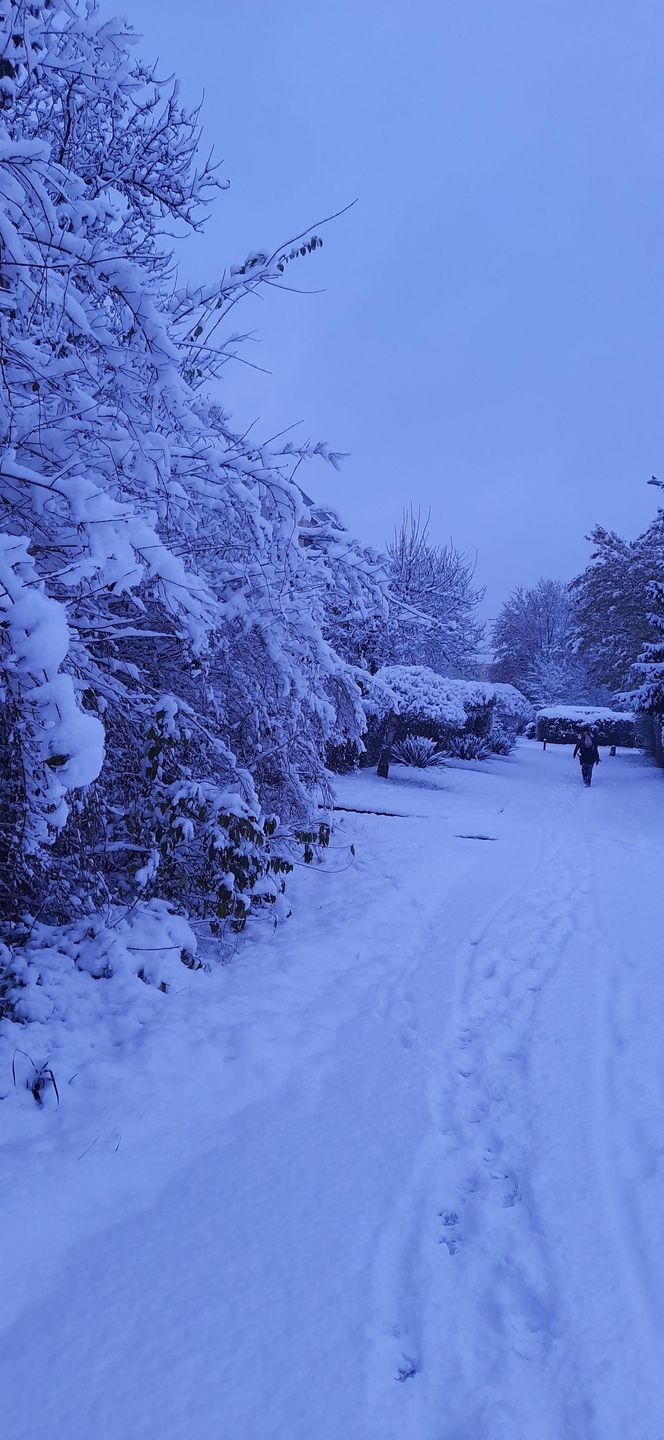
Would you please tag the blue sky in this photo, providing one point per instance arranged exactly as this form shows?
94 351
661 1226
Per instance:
489 341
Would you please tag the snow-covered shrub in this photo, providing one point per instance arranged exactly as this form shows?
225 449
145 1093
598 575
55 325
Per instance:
166 688
562 725
445 710
499 740
478 703
510 716
87 987
419 751
425 703
204 847
468 747
150 943
512 710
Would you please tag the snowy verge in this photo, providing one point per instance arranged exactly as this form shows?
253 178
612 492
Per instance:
146 1077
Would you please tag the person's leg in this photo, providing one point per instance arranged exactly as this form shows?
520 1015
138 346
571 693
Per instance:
585 771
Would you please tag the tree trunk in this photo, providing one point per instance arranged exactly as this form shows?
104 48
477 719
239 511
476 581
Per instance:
383 767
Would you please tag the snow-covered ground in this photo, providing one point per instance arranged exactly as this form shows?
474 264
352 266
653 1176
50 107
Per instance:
397 1173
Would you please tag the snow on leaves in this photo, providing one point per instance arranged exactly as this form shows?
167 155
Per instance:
148 550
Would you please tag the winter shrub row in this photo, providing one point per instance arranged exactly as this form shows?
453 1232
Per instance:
402 702
562 725
168 685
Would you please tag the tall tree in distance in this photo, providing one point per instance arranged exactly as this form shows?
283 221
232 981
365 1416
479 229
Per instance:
433 602
534 641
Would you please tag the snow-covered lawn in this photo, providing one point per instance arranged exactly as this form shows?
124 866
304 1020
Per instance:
395 1174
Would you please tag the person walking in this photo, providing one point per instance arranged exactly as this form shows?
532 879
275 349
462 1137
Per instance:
588 754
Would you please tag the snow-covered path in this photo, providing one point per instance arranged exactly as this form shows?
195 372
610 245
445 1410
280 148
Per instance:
405 1181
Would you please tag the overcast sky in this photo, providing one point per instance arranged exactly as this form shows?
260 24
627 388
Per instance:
489 341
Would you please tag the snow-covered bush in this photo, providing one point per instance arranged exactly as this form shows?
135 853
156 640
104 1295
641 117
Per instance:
419 751
425 703
562 725
512 710
510 716
166 688
468 747
414 700
499 740
478 703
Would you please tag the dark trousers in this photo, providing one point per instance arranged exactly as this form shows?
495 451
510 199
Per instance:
587 772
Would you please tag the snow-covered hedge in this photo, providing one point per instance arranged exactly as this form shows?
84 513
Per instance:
424 698
562 725
496 714
169 682
409 700
512 708
166 684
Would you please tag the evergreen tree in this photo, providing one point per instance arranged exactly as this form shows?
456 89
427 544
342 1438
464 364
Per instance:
611 599
650 664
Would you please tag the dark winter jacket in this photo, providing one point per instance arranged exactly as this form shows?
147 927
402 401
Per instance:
588 754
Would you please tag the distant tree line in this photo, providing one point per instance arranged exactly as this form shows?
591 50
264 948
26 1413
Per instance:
598 640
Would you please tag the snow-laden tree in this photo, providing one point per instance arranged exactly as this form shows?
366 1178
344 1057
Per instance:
165 685
555 677
649 667
434 599
534 641
611 599
351 584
